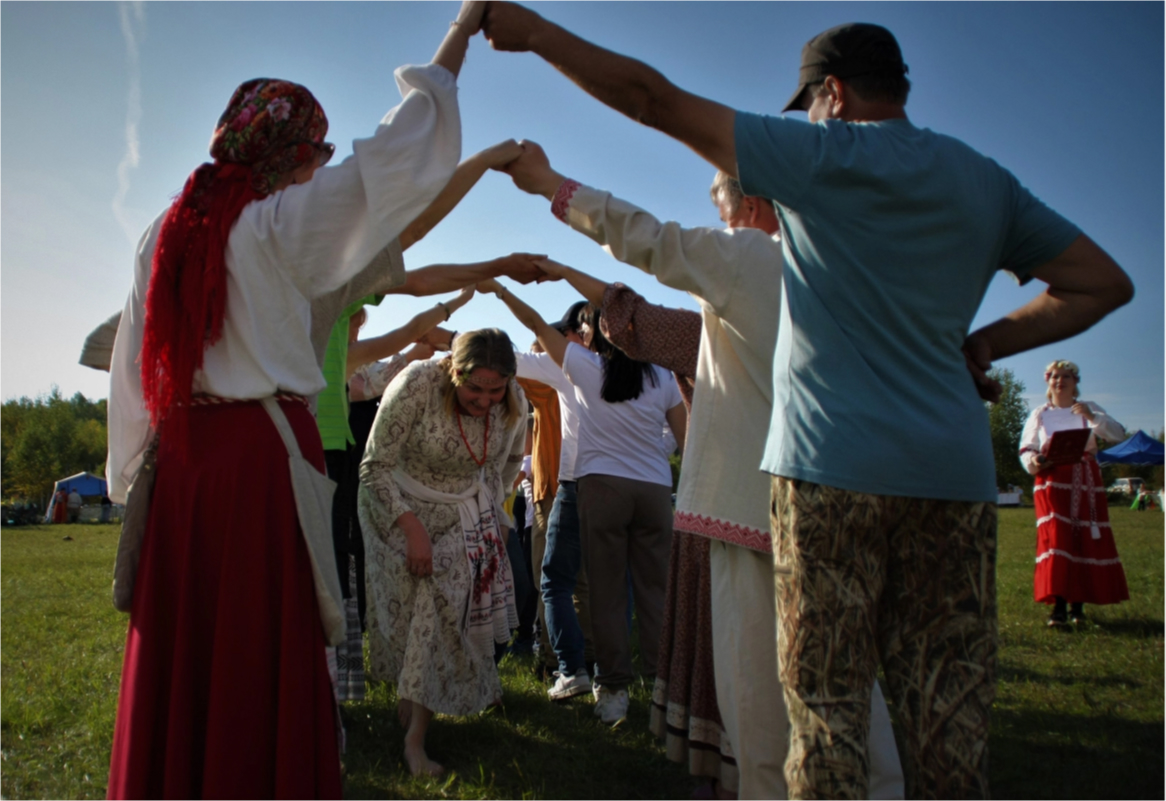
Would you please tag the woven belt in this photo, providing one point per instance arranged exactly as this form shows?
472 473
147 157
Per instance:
215 400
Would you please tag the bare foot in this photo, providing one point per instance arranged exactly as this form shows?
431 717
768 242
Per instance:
420 764
405 712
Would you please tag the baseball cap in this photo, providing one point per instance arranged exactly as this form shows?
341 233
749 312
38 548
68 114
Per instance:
570 321
846 51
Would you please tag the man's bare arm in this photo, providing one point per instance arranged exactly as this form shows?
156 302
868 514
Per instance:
628 86
1085 285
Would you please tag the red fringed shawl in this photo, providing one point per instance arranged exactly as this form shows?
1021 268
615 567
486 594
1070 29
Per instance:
187 298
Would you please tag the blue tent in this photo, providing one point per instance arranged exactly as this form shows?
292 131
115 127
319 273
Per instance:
84 483
1137 450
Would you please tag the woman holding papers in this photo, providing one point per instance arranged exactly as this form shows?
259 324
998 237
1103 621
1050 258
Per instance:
1076 558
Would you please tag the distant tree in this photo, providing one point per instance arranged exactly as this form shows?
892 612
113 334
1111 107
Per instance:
1006 419
49 438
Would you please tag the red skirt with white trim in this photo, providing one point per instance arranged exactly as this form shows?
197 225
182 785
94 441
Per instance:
225 691
1076 557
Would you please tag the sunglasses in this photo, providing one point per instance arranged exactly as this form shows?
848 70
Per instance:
324 149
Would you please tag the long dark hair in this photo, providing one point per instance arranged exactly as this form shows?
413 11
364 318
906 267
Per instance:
623 376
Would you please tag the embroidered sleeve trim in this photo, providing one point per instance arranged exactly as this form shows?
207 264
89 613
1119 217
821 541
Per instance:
723 530
562 199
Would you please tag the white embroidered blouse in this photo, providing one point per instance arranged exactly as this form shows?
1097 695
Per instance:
1047 419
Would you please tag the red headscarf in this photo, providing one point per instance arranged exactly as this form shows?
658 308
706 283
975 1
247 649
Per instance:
269 129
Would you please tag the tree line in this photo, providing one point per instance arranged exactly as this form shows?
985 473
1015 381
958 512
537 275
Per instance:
49 437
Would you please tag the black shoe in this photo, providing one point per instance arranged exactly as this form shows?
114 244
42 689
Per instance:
1057 619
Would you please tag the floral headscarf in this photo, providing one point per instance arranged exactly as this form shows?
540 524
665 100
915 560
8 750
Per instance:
271 126
269 129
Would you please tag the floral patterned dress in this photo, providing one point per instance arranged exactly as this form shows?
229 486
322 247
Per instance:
415 625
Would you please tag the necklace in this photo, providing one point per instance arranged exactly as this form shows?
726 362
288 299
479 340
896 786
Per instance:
485 440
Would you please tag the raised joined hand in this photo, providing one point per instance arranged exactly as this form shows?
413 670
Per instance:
470 15
521 267
532 172
509 26
554 270
501 155
489 287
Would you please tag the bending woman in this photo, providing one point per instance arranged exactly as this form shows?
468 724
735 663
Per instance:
225 689
624 491
445 449
1076 556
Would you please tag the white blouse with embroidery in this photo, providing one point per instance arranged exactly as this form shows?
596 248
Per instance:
1047 419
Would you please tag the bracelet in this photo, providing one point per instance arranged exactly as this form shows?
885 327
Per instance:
501 291
445 309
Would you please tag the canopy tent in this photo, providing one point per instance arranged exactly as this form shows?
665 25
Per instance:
1137 450
84 483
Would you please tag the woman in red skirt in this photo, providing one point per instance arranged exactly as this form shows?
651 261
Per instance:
225 690
1076 557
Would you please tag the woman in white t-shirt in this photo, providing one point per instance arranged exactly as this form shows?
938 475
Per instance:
625 490
1076 556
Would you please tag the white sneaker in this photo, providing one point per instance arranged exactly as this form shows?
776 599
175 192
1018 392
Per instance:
612 706
569 686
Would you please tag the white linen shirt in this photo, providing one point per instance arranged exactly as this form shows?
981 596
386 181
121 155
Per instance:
286 250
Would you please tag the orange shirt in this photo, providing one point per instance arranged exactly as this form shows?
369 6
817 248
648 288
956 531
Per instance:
548 437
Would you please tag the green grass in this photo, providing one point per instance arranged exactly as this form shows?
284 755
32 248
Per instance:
1078 714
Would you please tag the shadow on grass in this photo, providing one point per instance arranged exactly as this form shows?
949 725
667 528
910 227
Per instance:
1009 674
1138 627
1107 756
530 748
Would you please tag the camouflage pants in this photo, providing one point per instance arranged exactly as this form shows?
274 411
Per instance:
911 583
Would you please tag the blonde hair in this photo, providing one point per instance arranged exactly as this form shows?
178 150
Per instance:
1062 364
492 349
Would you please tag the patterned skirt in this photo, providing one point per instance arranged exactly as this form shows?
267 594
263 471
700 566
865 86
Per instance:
684 699
1076 557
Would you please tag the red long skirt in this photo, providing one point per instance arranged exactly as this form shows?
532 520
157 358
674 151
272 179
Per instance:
225 690
1076 556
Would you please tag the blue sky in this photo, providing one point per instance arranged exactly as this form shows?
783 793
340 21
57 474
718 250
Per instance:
106 108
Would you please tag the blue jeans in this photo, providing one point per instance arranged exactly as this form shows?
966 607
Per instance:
560 571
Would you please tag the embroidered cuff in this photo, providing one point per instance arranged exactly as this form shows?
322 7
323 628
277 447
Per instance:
562 198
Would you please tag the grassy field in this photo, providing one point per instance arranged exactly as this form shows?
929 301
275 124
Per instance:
1079 714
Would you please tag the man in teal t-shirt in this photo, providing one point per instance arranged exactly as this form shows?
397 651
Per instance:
884 524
